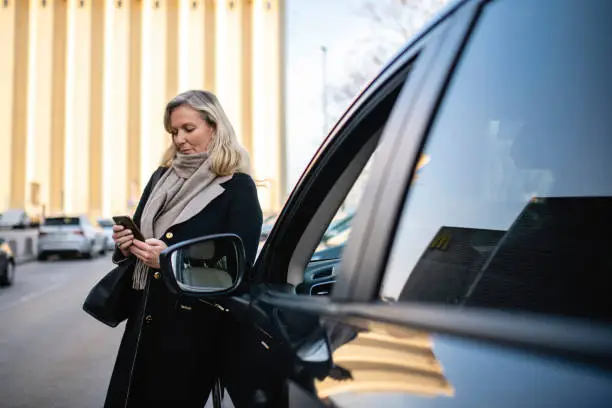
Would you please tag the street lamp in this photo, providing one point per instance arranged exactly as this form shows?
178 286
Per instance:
324 90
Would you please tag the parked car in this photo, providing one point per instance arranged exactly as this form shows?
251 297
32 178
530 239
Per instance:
7 264
70 235
107 227
484 281
267 225
14 219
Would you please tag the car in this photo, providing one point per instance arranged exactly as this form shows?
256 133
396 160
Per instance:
14 219
481 282
267 225
7 264
70 235
107 226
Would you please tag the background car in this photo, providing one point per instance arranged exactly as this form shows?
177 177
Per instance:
7 264
107 226
70 235
14 219
267 225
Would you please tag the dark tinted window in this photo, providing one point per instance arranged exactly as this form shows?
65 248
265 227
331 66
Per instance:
62 221
106 223
513 209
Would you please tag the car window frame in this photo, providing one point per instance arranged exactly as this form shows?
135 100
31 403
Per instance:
267 268
363 264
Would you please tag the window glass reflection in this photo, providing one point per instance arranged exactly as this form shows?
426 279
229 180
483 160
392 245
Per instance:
513 209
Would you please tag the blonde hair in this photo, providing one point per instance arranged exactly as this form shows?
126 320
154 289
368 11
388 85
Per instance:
227 156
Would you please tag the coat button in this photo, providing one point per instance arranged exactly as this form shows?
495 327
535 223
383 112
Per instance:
148 318
169 235
157 275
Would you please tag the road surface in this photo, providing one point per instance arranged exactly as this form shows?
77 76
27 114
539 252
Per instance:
52 354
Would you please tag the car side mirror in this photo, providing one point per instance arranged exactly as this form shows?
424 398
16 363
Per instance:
209 265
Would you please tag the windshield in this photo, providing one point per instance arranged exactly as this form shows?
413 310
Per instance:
11 216
62 221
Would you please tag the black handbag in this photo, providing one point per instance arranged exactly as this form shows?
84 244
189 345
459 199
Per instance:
109 301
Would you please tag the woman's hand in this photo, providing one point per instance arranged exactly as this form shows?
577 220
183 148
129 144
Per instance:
123 238
148 251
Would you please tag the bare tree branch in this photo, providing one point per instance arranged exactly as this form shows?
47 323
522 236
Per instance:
391 24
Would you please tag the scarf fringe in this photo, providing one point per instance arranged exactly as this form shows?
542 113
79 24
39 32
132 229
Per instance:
139 277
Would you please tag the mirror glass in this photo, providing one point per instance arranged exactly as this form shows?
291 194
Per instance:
210 265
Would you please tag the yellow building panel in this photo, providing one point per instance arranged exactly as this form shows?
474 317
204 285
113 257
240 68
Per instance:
210 46
7 83
19 106
88 82
172 48
96 111
58 108
134 108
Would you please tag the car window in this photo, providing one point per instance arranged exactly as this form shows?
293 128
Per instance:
57 221
512 209
106 223
336 235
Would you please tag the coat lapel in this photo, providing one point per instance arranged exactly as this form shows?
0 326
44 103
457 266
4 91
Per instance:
199 202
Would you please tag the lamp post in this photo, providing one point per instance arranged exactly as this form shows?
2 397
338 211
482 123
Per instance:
324 89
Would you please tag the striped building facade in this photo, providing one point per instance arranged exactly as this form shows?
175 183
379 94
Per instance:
84 84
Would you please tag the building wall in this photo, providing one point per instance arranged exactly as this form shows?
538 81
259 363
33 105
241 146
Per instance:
8 41
87 80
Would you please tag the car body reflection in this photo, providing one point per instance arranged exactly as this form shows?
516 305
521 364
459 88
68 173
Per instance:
391 366
387 359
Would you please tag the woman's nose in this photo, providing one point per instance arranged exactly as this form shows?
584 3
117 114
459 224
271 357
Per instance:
180 137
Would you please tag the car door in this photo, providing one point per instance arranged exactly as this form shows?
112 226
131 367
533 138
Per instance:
330 196
482 281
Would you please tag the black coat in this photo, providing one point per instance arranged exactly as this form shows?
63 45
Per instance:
171 350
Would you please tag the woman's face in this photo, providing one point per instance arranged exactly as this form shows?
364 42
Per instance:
190 133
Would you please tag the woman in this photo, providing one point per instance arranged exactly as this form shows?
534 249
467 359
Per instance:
169 352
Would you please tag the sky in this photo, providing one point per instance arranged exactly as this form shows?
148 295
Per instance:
340 26
311 24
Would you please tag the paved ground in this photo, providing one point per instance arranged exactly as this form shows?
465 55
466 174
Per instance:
52 354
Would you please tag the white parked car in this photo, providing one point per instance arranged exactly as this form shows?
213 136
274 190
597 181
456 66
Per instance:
13 219
68 235
107 227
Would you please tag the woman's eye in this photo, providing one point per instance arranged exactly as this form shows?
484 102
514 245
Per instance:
189 130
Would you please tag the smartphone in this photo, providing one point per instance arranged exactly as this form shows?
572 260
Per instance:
127 222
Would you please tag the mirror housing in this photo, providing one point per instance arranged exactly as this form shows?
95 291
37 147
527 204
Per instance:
208 266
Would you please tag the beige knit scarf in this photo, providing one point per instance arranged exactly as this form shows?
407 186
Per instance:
188 176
